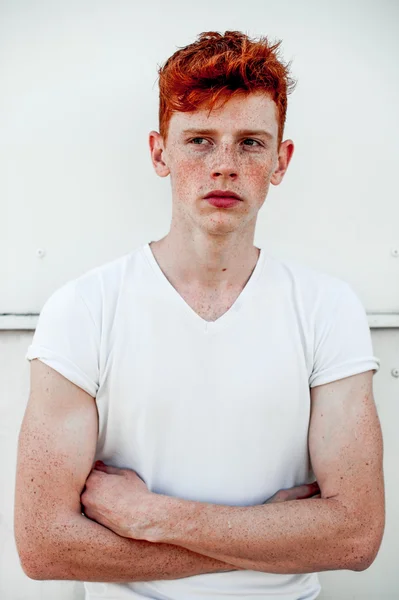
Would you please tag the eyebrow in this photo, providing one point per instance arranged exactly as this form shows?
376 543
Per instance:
238 132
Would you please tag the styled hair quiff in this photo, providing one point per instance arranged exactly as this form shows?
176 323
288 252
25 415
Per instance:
217 65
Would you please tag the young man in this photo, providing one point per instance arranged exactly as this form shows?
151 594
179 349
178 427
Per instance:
207 376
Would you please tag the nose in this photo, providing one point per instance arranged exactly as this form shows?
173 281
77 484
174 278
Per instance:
224 162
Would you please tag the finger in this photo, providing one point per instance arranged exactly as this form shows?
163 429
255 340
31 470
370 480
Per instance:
309 491
301 492
100 466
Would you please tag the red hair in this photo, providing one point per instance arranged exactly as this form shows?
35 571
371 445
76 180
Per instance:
227 65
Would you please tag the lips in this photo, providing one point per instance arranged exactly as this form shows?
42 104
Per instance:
222 201
222 194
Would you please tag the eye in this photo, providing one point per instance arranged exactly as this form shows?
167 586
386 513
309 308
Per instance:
197 138
246 140
251 140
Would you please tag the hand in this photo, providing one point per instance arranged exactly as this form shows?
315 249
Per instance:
299 492
116 498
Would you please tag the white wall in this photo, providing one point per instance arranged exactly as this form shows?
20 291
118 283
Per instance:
77 187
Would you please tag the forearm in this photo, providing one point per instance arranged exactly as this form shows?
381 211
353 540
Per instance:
288 537
80 549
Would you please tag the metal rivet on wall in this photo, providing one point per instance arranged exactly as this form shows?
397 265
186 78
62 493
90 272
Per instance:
395 252
395 372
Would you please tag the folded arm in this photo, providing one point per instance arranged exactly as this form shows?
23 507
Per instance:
341 530
56 449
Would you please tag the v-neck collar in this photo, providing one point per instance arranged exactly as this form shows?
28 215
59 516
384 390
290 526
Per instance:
229 315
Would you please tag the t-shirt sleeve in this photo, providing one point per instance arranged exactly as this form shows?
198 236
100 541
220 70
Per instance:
67 338
342 338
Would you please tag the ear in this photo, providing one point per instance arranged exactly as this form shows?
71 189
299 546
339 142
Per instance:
158 152
285 153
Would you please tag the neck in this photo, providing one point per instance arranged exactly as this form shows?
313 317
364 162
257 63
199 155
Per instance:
206 263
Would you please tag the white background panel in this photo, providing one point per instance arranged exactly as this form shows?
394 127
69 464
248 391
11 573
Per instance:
80 95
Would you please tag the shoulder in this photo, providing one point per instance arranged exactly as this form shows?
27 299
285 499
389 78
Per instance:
308 284
106 277
97 289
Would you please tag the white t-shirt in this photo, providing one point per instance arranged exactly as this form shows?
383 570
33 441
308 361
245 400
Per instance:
209 411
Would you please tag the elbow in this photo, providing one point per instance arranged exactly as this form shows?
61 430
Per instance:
39 566
365 549
44 544
35 563
362 563
365 556
35 556
362 531
32 571
31 559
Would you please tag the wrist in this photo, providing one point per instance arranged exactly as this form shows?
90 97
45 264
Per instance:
172 519
157 520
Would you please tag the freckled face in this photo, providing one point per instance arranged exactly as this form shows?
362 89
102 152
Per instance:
225 158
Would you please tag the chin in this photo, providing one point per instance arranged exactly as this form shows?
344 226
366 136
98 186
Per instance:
220 228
